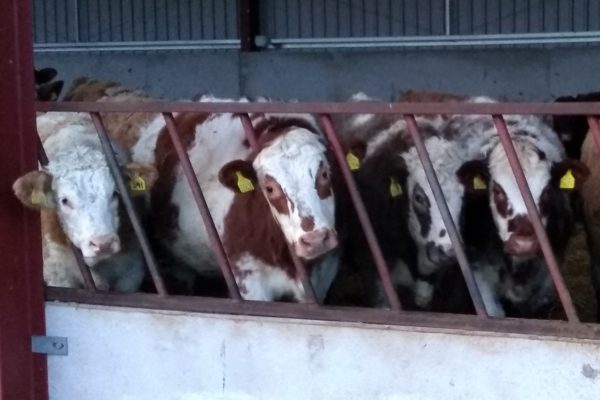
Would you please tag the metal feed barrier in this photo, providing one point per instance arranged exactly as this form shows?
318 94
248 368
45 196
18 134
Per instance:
235 305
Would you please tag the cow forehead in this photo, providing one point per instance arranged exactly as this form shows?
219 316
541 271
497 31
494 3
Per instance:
81 172
536 169
293 156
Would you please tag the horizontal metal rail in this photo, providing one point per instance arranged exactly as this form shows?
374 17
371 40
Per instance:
367 107
174 45
440 322
438 41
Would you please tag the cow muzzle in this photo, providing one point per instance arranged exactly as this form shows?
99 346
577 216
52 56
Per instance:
102 245
316 243
522 245
437 255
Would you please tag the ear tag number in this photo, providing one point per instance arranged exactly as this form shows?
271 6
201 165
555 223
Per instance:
137 183
395 188
353 161
479 183
244 184
568 180
37 197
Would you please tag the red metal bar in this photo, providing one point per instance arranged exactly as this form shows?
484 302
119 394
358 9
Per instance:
211 230
84 269
311 298
594 130
248 22
249 131
350 315
23 375
363 216
128 203
330 108
534 216
440 199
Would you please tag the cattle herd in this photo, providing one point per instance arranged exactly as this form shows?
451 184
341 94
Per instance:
287 195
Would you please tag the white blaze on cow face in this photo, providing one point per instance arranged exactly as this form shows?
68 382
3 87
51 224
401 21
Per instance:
294 175
425 222
507 204
86 200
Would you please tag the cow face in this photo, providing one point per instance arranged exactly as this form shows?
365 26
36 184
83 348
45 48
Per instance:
546 179
78 185
293 173
424 218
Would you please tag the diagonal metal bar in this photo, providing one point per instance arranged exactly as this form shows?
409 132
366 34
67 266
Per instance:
594 130
128 203
440 199
361 211
311 298
209 224
84 269
534 217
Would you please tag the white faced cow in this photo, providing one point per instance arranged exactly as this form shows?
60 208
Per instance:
261 202
79 203
521 281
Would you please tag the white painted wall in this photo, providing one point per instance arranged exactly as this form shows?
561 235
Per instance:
130 354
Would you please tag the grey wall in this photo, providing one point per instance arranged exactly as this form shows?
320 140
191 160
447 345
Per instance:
519 74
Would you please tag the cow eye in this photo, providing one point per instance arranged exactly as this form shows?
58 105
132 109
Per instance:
65 202
324 175
269 189
115 195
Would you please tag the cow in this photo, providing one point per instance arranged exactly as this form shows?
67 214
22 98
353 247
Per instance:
406 219
45 88
80 205
591 209
573 129
261 201
503 248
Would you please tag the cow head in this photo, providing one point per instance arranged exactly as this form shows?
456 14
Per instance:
545 178
79 187
293 173
424 218
45 90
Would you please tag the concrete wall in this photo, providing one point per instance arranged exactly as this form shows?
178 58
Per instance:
127 354
519 74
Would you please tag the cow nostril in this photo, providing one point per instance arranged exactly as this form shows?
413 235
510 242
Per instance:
325 236
304 242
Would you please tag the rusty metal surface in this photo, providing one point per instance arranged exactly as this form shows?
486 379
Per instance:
534 217
461 323
331 108
361 211
209 224
457 242
128 203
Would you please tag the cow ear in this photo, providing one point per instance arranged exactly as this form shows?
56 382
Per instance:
34 190
49 91
44 75
140 177
239 176
569 174
355 153
474 175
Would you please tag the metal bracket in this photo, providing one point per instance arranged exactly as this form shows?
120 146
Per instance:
50 345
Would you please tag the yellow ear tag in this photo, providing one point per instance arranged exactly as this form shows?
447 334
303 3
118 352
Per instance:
353 161
479 183
37 197
137 183
244 184
567 181
395 188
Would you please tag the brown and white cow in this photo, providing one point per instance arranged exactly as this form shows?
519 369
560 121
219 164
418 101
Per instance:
516 281
79 204
261 201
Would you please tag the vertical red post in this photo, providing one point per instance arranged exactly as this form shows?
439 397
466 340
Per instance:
23 375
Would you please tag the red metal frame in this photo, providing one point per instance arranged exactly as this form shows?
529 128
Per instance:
23 374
